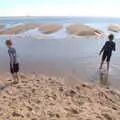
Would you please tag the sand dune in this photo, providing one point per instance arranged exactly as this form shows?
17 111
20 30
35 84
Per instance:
1 26
82 30
50 28
114 28
37 97
18 29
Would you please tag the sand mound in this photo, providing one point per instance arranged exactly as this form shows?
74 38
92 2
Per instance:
18 29
82 30
51 28
1 26
114 28
44 98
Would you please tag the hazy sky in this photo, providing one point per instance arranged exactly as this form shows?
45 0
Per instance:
108 8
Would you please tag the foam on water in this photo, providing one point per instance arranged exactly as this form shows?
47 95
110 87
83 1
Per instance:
31 32
12 25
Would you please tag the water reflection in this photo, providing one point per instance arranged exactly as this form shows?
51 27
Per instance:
104 78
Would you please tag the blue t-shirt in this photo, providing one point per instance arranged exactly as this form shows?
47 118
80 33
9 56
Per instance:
13 56
109 47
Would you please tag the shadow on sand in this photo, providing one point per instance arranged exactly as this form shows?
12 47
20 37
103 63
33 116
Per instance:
2 87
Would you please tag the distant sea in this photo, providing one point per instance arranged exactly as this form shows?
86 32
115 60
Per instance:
100 23
16 20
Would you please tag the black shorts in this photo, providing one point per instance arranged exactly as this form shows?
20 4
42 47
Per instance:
106 55
15 68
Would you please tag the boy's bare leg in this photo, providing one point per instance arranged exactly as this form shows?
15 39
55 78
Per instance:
101 64
108 64
15 77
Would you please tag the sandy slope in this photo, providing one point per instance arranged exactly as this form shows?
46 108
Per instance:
44 98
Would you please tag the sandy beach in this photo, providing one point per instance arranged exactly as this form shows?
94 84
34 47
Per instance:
39 97
61 97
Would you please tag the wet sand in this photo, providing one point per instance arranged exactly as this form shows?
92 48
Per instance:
18 29
39 97
114 27
82 30
1 26
50 28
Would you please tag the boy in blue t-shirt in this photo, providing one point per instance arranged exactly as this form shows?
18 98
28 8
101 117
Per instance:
14 65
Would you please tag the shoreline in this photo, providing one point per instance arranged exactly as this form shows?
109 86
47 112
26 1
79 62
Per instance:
49 37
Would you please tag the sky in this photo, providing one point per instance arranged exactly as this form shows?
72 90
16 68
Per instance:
95 8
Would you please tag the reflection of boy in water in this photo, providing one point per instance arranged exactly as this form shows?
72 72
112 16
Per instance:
104 78
107 49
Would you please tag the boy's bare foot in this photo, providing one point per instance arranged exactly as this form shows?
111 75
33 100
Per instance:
100 68
15 82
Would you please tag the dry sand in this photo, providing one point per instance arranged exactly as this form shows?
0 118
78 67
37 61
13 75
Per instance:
37 97
19 29
114 28
82 30
50 28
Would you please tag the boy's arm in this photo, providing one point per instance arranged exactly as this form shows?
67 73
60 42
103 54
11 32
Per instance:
114 47
102 49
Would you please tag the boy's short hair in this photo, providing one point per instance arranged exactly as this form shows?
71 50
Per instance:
111 37
8 42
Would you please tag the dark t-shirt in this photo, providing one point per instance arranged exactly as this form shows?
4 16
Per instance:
109 47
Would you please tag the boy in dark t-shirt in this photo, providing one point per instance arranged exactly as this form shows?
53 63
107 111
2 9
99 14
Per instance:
14 65
107 49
